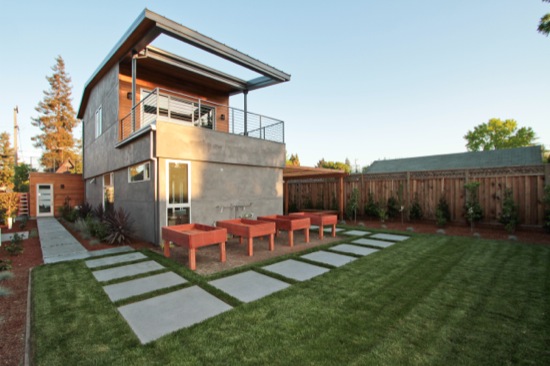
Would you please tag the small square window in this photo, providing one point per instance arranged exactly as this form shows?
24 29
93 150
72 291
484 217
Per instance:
139 172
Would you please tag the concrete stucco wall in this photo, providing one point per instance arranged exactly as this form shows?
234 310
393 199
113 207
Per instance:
226 171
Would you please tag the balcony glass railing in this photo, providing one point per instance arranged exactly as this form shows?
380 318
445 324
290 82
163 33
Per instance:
181 108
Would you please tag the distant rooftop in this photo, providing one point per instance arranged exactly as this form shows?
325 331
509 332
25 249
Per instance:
522 156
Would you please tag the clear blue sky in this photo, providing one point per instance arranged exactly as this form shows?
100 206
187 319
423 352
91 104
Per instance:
371 79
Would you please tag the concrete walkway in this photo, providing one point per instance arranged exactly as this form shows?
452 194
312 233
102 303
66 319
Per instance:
58 245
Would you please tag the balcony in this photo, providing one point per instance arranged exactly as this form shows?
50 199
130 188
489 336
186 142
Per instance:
182 109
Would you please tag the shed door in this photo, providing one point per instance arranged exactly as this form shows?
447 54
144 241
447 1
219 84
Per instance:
44 201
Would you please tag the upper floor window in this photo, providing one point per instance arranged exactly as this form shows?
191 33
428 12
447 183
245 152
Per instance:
139 173
98 122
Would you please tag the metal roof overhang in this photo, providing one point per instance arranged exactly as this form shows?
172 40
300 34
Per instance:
302 172
150 25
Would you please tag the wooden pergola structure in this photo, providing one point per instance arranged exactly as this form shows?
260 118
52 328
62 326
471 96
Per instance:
304 173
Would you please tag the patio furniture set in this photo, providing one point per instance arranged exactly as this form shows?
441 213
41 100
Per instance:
194 236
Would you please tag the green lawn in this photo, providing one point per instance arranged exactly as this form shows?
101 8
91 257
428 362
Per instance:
429 300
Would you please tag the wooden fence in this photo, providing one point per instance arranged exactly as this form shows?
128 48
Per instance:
527 184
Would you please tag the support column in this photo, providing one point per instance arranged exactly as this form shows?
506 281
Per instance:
341 199
245 112
134 76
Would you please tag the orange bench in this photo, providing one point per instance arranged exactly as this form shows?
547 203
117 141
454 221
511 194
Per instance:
290 224
193 236
249 229
320 219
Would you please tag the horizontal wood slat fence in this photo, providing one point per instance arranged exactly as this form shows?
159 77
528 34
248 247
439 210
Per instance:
527 184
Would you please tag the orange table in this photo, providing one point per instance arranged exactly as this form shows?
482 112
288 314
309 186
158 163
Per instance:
320 219
290 224
249 229
193 236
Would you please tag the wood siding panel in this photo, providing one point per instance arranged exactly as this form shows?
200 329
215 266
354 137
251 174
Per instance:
65 186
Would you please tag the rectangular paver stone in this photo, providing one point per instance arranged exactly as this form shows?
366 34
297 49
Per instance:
153 318
373 242
353 249
331 259
356 233
249 286
94 263
144 285
390 237
126 271
299 271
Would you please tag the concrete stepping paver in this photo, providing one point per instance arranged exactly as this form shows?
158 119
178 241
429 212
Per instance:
126 271
299 271
249 286
373 242
391 237
356 232
354 249
332 259
94 263
115 250
153 318
328 229
141 286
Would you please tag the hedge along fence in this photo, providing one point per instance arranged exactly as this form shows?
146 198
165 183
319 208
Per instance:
527 184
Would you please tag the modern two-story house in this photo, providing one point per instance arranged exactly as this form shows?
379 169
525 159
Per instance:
161 141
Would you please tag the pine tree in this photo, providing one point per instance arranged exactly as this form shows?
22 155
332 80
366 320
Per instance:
56 121
6 162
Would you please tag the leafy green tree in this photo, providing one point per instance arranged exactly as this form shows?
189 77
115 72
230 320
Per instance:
57 120
544 24
21 177
497 134
333 165
6 162
294 160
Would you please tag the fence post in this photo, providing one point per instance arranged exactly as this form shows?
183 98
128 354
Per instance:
546 174
408 194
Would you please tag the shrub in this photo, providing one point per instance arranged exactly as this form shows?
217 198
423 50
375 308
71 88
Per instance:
416 210
382 214
5 265
372 207
23 222
509 216
442 212
96 228
353 204
85 210
67 212
15 247
393 208
472 208
119 227
81 226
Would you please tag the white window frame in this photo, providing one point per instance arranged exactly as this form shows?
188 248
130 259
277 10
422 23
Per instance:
167 196
98 122
146 177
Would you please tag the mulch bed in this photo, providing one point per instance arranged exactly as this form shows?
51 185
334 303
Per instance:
14 306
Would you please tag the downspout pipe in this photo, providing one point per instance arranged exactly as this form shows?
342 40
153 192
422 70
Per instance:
155 170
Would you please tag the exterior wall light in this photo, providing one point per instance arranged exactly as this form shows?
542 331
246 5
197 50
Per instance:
222 117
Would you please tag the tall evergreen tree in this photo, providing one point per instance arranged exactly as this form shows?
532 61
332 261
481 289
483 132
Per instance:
544 24
6 162
57 120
